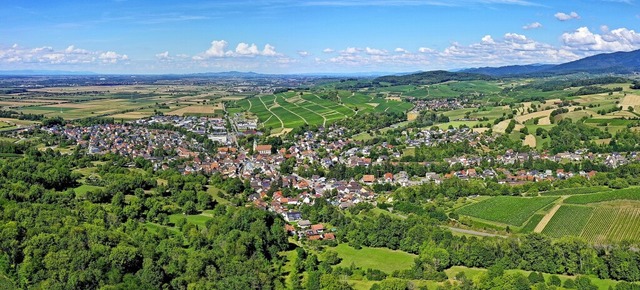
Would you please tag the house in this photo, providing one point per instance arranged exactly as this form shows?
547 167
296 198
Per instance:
318 228
292 216
388 177
368 178
304 224
263 149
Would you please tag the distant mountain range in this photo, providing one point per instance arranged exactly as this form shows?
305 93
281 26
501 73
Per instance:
29 72
617 62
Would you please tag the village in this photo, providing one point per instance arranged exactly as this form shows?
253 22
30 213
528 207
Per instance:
284 192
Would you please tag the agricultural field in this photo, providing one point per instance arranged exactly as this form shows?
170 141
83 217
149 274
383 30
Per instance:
290 110
600 218
509 210
568 220
577 190
622 194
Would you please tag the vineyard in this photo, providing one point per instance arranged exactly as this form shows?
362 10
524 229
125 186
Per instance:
568 220
577 190
598 225
506 209
625 194
532 223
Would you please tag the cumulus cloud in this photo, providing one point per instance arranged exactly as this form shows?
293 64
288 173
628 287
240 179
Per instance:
303 53
350 50
533 25
112 57
162 55
375 51
328 50
564 17
246 49
487 39
219 49
621 39
48 55
400 50
425 50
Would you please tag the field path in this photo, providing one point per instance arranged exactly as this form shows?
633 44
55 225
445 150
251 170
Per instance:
547 217
272 114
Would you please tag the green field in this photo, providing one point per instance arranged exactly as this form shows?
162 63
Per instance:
508 210
83 189
625 194
374 258
291 110
532 223
473 272
197 219
568 220
577 190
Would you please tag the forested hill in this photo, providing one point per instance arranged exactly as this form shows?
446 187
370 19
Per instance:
430 77
617 62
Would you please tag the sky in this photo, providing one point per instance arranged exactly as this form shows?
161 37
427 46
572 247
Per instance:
308 36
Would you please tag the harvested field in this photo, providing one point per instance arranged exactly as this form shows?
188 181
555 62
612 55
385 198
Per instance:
195 109
524 118
630 101
544 121
530 141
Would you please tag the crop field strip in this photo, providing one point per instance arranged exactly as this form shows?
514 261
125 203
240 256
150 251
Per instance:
599 224
569 220
632 193
508 210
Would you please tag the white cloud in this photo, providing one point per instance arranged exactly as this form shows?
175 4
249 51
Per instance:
112 57
487 39
375 51
303 53
246 49
564 17
328 50
44 55
533 25
162 55
269 50
400 50
351 50
621 39
514 37
217 49
425 50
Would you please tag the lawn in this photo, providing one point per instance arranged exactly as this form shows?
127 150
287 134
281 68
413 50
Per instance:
83 189
198 220
374 258
508 210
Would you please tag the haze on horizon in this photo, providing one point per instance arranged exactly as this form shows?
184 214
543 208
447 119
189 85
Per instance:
304 36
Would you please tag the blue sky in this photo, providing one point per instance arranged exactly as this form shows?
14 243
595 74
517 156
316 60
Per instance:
281 36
